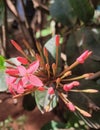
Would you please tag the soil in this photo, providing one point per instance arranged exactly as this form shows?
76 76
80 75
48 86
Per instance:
34 119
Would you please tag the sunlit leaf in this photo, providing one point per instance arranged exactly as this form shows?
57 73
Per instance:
2 62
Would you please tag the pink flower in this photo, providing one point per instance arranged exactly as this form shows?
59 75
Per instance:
68 87
83 56
51 90
28 74
70 106
22 60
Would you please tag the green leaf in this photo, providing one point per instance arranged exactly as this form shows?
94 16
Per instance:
29 102
3 85
54 125
2 12
81 40
88 102
63 12
43 99
51 47
2 62
83 9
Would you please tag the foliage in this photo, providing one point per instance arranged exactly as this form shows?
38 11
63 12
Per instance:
78 24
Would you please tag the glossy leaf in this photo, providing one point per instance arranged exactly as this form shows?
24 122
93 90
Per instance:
3 85
88 102
83 9
84 39
43 99
63 12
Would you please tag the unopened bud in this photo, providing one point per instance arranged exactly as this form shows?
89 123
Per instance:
15 44
51 90
45 51
70 106
83 56
57 40
22 60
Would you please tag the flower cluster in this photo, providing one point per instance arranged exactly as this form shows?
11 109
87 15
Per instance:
22 79
42 75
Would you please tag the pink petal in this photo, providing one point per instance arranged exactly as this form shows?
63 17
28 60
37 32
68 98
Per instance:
25 80
33 67
10 80
34 80
11 90
22 70
41 88
29 86
12 71
19 88
22 60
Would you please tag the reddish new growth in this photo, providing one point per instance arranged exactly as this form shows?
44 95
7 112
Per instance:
40 75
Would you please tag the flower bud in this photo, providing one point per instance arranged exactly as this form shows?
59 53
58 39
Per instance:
16 45
68 87
57 40
51 90
71 106
22 60
83 56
